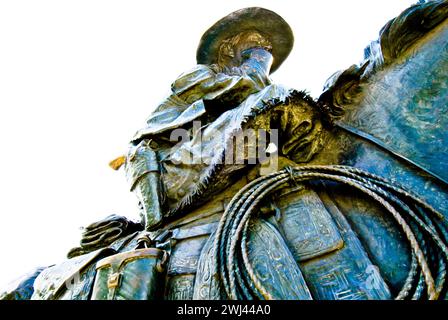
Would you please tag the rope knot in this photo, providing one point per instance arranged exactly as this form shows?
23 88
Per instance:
292 176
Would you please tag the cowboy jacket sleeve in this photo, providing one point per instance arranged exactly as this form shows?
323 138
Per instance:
204 83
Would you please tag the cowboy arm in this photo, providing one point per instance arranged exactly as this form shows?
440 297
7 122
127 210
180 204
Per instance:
233 85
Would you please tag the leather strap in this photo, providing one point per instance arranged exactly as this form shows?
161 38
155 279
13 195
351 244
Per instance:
366 136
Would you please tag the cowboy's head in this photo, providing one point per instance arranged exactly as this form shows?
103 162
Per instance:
231 51
229 39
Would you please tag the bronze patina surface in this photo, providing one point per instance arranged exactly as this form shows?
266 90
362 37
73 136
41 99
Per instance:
252 190
273 27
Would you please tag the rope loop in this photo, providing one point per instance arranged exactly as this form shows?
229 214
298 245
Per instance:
422 225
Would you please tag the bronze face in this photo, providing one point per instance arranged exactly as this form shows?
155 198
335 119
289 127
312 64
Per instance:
230 50
269 24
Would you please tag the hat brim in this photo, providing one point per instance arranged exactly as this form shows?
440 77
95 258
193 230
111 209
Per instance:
270 24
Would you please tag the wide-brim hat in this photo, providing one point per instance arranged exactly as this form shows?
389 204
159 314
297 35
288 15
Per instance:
269 23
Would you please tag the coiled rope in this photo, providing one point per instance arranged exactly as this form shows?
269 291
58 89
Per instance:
424 228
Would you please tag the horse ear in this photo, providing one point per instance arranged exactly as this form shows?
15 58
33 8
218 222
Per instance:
340 90
403 32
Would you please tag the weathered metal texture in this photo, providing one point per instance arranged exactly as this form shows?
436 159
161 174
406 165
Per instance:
207 282
180 287
144 178
69 280
405 105
21 288
306 224
400 100
182 268
325 240
378 233
346 273
397 96
273 263
134 275
273 27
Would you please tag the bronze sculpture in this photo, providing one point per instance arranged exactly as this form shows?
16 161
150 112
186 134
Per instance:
228 212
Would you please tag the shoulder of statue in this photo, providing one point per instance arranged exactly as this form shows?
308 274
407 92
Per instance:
197 70
192 77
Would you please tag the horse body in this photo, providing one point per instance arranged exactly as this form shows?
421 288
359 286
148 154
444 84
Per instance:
393 125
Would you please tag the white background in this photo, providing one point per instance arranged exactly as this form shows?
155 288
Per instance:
78 78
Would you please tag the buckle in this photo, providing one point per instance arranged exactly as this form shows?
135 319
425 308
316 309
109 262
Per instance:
113 281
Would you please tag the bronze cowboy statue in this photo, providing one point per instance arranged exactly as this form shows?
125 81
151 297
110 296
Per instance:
252 190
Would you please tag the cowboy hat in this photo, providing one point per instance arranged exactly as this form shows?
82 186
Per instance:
270 24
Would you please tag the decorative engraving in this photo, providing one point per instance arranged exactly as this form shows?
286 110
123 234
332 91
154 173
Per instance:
185 256
180 287
207 286
308 228
274 264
